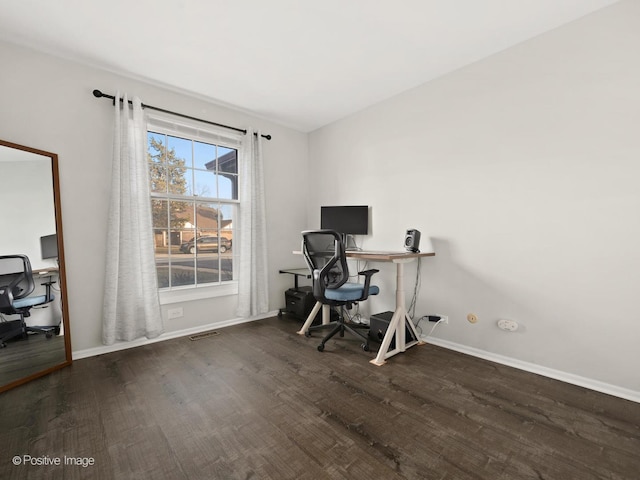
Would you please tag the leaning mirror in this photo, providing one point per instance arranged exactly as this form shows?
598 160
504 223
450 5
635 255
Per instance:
34 324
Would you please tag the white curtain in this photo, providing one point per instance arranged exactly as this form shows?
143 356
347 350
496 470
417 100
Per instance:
131 304
252 286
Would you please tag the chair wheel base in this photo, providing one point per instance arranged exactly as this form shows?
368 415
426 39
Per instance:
321 348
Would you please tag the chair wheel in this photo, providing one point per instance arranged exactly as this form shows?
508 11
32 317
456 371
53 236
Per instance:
321 348
48 334
307 334
365 347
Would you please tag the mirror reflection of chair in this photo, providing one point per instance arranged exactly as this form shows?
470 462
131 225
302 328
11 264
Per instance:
16 286
324 253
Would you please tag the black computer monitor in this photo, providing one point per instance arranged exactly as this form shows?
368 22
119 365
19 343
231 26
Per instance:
49 246
347 219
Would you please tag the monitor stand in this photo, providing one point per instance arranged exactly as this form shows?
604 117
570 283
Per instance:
345 241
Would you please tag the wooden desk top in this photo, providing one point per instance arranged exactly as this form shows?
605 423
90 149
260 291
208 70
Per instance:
382 256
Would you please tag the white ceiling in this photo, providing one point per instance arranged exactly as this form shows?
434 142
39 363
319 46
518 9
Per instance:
302 64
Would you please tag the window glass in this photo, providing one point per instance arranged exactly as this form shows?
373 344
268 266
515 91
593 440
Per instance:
204 156
194 200
205 184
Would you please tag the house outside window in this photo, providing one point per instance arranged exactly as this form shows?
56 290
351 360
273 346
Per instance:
193 176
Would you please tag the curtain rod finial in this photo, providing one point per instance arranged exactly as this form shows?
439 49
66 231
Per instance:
97 93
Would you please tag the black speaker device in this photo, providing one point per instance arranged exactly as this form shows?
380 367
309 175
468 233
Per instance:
412 241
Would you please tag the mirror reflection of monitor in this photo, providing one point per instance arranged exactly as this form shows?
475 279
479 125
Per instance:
49 246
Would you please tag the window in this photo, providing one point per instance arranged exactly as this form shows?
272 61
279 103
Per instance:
194 199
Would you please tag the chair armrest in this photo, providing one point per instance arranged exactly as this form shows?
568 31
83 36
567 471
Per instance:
368 273
367 281
6 298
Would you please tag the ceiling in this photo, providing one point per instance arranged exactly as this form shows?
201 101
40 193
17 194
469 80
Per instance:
299 63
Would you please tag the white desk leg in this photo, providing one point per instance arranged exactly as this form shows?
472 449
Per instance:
398 324
386 341
309 320
400 306
326 317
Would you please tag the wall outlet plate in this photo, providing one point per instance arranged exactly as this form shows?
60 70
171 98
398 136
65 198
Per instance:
507 325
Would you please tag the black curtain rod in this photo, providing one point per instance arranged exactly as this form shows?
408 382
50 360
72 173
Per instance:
99 94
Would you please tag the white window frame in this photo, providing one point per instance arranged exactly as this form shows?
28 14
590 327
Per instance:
169 125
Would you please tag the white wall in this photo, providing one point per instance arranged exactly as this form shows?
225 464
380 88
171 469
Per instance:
47 104
524 169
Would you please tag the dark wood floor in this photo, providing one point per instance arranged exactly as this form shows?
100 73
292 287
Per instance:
258 401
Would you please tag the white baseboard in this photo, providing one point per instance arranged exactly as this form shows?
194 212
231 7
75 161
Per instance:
589 383
101 350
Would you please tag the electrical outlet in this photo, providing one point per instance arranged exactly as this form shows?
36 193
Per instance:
175 313
437 318
507 325
472 318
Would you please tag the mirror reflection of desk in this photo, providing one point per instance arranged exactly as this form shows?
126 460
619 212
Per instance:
45 279
45 272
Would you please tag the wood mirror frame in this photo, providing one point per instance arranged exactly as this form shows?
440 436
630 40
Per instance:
26 357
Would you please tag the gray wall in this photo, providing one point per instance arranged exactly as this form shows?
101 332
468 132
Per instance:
523 168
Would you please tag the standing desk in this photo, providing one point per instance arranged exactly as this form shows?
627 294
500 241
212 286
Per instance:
400 319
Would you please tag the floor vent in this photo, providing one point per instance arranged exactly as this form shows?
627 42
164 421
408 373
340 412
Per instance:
202 335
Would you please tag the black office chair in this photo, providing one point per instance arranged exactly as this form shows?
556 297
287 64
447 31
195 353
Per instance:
325 255
16 284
